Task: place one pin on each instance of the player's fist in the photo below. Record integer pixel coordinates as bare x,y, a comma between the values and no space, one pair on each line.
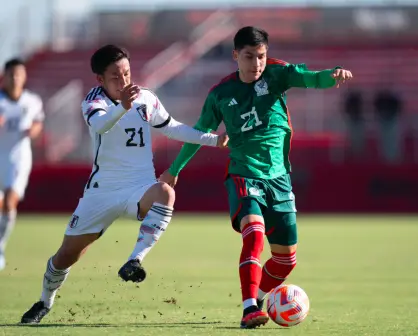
128,95
168,178
222,141
341,75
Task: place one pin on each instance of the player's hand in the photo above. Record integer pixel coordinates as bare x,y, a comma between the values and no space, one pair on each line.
168,178
341,75
223,140
128,94
2,120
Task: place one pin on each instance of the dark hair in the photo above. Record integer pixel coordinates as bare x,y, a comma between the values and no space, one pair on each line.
105,56
12,63
250,36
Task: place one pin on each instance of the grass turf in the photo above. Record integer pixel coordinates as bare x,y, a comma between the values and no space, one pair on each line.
360,272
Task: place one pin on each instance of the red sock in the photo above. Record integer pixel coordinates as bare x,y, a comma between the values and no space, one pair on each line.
249,263
276,270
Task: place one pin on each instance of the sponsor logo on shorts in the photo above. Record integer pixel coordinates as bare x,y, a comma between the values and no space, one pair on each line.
73,221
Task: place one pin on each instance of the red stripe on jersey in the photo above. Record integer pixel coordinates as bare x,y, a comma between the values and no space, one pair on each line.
234,179
276,61
227,168
232,76
237,186
244,189
238,191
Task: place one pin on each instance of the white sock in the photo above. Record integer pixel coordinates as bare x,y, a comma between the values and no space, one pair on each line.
153,226
249,302
7,222
53,280
261,295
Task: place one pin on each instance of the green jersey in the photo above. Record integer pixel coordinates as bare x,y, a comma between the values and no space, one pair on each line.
256,118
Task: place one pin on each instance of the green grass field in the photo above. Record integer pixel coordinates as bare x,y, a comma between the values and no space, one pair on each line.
361,274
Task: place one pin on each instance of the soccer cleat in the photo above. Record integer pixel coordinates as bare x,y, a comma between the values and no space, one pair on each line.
35,314
253,318
132,271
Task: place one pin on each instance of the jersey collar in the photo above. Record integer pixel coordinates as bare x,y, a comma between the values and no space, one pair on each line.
108,97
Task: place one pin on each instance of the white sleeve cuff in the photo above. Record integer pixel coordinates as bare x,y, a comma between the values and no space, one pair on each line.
178,131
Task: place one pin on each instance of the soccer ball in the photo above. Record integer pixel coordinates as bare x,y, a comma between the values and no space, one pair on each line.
287,305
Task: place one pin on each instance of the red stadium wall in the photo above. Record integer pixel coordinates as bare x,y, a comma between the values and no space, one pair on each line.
319,186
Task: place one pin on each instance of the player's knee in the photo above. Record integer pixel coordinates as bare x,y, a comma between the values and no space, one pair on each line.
283,249
165,194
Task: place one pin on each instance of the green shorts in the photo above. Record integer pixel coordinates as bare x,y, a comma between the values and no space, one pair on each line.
273,199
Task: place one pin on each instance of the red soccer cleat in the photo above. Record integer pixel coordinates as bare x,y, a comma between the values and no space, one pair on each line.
254,319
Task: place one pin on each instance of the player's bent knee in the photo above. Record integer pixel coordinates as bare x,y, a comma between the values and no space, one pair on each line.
281,231
283,249
166,194
160,192
250,219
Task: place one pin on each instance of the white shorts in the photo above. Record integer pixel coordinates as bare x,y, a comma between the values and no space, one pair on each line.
15,176
98,209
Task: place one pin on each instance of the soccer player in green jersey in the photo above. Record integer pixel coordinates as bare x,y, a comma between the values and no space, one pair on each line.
252,104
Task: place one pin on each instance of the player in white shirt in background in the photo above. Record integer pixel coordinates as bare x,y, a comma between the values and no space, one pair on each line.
21,119
119,115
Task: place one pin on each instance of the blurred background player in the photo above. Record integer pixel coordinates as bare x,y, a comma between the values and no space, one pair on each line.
21,120
252,104
122,183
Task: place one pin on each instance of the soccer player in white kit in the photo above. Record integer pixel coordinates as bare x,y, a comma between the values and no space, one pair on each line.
21,119
119,115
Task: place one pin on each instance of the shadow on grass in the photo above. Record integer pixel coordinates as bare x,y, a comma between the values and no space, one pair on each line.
195,325
109,325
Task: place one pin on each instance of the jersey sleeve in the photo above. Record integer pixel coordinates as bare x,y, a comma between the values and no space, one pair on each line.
38,110
90,108
159,116
298,75
100,117
209,120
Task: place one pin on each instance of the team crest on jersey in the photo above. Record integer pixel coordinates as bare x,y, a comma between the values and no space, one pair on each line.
73,221
254,191
143,112
261,88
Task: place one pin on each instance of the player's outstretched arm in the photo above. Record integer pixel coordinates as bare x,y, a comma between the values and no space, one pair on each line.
209,120
300,76
102,118
179,131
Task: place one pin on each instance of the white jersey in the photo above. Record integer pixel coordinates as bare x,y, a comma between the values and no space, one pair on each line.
19,116
123,154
